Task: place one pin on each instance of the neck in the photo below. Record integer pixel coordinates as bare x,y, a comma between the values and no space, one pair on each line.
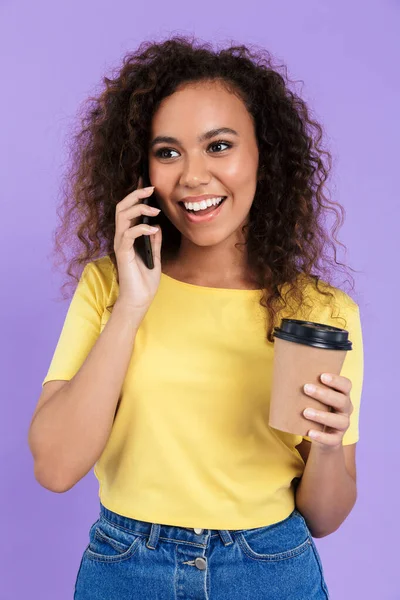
211,266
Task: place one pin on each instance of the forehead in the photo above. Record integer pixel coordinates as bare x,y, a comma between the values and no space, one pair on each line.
199,106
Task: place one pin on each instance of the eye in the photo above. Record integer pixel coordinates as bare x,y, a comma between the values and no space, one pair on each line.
220,143
159,153
161,150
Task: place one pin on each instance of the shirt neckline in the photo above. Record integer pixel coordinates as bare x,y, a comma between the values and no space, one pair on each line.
195,287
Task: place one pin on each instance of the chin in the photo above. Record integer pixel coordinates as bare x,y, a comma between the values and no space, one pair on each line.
206,238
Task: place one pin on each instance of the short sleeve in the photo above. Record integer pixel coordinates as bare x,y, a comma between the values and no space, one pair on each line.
353,369
82,324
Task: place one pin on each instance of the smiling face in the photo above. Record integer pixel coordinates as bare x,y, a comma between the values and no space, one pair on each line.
192,163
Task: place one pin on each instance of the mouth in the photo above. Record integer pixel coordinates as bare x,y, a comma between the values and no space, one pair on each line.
207,214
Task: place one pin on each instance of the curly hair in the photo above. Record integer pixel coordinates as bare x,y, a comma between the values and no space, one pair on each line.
286,240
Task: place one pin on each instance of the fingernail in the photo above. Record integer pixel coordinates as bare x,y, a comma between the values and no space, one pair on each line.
326,378
309,412
309,388
150,187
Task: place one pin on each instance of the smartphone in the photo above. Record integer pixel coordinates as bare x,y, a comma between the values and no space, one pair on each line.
143,243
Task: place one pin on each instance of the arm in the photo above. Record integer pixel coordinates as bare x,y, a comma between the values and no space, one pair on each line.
69,432
327,492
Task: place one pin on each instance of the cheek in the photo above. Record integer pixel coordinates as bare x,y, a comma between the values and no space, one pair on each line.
235,174
163,191
241,178
160,178
243,191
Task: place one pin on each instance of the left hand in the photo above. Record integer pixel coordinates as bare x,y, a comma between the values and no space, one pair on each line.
336,395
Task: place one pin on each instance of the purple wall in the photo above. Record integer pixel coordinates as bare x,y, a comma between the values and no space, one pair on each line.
52,55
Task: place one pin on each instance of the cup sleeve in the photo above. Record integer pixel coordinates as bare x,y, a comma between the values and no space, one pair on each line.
82,325
353,369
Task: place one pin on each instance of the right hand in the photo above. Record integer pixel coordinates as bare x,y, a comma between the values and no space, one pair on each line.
137,284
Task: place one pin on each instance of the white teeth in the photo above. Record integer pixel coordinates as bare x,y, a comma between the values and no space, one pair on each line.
203,204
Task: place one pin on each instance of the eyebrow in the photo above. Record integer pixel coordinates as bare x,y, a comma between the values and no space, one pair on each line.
205,136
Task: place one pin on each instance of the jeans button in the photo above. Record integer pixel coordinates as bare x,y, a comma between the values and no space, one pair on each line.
200,563
198,531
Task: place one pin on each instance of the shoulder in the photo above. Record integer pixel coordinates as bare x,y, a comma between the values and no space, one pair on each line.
336,297
327,304
99,276
103,266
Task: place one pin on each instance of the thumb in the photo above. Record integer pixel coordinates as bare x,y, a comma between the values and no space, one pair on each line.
156,242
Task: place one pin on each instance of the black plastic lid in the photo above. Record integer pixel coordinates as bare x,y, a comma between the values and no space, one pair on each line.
318,335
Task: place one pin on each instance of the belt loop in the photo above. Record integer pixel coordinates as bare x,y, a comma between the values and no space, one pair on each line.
225,537
153,537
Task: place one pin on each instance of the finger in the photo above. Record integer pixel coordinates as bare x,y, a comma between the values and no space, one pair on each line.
327,396
138,209
326,440
134,197
156,242
137,230
134,215
330,419
337,382
131,234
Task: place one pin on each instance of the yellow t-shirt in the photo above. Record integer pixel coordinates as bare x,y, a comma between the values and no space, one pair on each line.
190,445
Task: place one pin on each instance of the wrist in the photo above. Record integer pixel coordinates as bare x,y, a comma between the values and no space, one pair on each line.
127,313
325,449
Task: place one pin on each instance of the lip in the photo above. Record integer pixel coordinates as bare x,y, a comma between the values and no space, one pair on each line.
193,218
200,198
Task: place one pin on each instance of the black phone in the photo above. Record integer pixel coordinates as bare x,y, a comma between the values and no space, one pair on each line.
143,243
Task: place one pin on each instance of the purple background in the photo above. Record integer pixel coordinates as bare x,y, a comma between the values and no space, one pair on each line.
53,55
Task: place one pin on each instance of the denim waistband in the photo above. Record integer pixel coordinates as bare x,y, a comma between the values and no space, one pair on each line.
172,533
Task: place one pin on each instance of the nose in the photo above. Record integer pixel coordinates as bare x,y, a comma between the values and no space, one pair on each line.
194,174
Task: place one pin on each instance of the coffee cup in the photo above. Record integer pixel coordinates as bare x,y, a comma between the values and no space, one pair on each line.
303,350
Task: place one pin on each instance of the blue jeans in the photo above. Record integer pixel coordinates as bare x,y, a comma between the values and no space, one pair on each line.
127,559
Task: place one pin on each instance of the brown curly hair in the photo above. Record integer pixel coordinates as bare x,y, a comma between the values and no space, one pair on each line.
285,240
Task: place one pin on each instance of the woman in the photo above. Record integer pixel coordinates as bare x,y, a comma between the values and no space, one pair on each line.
161,377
